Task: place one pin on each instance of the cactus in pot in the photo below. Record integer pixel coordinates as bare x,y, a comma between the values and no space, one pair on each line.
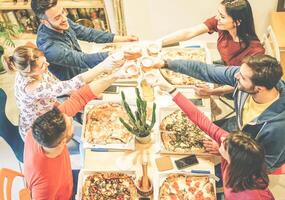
137,123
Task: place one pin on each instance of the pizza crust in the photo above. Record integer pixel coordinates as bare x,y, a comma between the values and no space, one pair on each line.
179,134
104,127
176,78
109,185
186,187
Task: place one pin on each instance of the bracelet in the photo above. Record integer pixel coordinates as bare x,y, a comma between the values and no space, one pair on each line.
165,64
172,91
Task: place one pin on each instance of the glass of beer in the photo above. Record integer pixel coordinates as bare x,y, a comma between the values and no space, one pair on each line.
132,68
147,63
132,52
146,84
153,49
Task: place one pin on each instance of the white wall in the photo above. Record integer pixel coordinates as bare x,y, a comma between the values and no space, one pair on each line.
151,19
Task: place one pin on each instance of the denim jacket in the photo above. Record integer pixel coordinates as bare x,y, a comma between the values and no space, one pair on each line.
267,128
63,52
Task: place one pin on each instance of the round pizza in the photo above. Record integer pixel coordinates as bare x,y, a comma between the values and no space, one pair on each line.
186,187
103,125
111,186
179,134
176,78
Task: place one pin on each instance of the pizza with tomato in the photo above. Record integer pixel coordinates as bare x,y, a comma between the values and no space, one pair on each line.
109,185
186,187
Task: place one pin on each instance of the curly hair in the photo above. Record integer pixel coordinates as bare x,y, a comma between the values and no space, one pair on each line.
49,128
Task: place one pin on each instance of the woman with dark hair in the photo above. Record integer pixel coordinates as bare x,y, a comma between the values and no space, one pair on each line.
243,166
236,36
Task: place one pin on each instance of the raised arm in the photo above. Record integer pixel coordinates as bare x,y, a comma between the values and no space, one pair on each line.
198,118
80,98
207,72
184,34
71,58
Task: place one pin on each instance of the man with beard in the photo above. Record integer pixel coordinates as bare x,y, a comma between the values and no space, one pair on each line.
259,98
58,36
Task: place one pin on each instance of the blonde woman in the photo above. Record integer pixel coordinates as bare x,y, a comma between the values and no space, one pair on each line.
36,89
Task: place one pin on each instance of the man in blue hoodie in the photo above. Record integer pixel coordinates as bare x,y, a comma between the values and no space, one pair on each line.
259,98
57,37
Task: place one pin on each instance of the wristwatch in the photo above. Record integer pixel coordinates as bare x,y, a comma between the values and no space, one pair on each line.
172,91
165,64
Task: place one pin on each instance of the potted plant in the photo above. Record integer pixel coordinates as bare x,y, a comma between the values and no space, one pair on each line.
137,123
7,32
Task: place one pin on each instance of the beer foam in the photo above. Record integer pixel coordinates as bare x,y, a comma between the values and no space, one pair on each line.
147,62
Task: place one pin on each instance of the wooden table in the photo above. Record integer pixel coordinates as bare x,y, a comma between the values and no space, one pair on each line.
278,26
114,161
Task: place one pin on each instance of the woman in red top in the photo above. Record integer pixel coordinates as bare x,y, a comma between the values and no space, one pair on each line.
243,166
236,36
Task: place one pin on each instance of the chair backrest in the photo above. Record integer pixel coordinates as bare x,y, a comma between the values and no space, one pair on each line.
8,131
270,43
7,176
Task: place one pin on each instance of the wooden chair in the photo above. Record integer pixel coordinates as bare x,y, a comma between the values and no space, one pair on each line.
270,43
7,176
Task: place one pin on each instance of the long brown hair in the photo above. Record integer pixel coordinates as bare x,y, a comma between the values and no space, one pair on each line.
22,59
241,12
247,168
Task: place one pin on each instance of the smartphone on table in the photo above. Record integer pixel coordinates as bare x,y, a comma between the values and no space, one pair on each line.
186,162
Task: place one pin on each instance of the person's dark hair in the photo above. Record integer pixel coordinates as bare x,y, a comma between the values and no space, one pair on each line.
247,169
241,12
41,6
267,71
48,129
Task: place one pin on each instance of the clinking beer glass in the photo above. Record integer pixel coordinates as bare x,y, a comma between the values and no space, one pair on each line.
148,77
147,63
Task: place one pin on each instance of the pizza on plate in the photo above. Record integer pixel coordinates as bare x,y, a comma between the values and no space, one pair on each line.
179,134
109,186
184,53
186,187
176,78
103,125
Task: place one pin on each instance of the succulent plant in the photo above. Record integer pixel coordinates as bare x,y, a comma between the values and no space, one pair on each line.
137,123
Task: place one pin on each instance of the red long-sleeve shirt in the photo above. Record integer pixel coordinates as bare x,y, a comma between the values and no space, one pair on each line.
51,178
215,132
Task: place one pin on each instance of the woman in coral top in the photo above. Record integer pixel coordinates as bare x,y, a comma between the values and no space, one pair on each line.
237,38
243,166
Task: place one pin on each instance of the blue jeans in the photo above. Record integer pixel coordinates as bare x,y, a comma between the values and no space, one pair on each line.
75,181
75,145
